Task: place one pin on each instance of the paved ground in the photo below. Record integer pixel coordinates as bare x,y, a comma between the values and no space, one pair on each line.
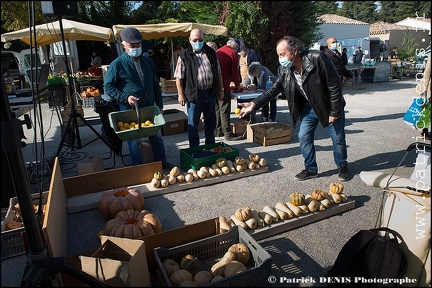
377,139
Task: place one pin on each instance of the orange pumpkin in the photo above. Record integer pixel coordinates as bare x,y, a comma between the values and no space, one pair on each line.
129,224
120,199
318,194
153,220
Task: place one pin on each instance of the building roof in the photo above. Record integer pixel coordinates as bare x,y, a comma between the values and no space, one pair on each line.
418,22
382,27
336,19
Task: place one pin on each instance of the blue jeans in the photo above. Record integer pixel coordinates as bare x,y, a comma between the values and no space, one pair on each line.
206,105
156,141
308,123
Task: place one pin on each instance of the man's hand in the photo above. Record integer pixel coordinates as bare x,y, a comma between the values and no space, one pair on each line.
131,100
332,119
181,100
247,107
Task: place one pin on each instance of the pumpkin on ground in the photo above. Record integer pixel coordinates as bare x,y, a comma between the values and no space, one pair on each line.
129,224
297,198
120,199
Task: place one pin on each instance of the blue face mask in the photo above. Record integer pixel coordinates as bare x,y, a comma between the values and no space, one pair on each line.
285,63
333,46
197,46
135,52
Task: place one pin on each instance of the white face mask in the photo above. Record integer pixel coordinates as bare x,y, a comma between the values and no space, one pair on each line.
285,62
333,46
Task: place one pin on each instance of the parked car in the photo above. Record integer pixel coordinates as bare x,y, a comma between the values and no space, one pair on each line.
11,63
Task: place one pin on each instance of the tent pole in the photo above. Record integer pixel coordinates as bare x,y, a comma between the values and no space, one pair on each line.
172,60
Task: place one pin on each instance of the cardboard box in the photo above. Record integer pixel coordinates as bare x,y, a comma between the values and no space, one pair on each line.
119,262
146,151
175,122
239,127
168,86
269,133
95,164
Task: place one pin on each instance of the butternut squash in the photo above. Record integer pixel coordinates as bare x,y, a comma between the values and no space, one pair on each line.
218,268
223,224
294,208
268,219
282,206
336,198
238,222
231,166
260,221
251,223
304,209
282,214
272,212
312,204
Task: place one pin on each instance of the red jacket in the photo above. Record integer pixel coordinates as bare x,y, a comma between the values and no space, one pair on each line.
229,64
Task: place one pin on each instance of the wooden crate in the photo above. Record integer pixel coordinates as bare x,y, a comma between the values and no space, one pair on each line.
168,86
270,133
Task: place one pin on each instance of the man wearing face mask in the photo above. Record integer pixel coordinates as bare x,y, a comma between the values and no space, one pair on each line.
132,77
331,50
199,85
314,92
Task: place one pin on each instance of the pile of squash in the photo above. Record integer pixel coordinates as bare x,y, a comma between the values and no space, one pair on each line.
297,204
191,272
222,166
126,218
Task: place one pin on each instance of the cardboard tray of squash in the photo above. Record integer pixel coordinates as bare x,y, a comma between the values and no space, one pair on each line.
298,210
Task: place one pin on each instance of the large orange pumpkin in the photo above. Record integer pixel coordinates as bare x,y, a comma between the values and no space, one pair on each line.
120,199
153,220
129,224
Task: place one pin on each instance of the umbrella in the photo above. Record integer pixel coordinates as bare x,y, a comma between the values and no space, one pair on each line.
49,33
168,30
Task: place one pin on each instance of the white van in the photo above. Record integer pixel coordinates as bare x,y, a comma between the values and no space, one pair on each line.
11,64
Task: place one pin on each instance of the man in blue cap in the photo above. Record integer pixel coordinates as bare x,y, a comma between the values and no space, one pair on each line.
132,80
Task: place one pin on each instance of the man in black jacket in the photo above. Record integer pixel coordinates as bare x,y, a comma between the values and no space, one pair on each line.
199,84
314,92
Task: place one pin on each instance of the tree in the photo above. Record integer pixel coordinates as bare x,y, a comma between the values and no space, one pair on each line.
326,7
407,49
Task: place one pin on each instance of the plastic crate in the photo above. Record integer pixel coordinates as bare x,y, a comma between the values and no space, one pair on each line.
187,160
210,250
12,240
151,113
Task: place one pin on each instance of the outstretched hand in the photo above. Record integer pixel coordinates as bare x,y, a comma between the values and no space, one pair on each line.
247,107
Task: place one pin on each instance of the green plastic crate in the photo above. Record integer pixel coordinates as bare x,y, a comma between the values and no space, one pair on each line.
151,113
187,161
210,250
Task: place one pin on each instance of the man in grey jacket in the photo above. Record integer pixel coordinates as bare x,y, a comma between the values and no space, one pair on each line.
314,92
132,77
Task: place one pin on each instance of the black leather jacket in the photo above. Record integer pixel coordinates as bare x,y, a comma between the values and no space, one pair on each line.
321,84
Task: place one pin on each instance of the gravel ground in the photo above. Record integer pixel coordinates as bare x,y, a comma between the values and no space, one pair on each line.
377,139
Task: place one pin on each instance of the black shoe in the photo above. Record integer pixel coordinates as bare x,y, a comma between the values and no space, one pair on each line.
305,174
220,134
167,166
343,174
232,137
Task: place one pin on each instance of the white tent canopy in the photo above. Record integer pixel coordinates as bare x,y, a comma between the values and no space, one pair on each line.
168,30
49,33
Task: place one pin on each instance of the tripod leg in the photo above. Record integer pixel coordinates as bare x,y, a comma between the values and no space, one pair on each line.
64,136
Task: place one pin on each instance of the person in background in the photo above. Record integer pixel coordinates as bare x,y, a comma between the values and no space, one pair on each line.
131,80
259,75
247,56
383,49
393,53
199,85
96,60
331,50
358,56
348,74
161,61
427,90
229,63
314,92
212,45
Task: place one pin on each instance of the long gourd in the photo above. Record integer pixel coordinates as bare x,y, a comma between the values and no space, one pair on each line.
272,212
268,219
260,221
282,206
297,211
282,214
238,222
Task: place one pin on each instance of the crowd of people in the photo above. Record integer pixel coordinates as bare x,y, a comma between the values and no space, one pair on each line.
207,75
